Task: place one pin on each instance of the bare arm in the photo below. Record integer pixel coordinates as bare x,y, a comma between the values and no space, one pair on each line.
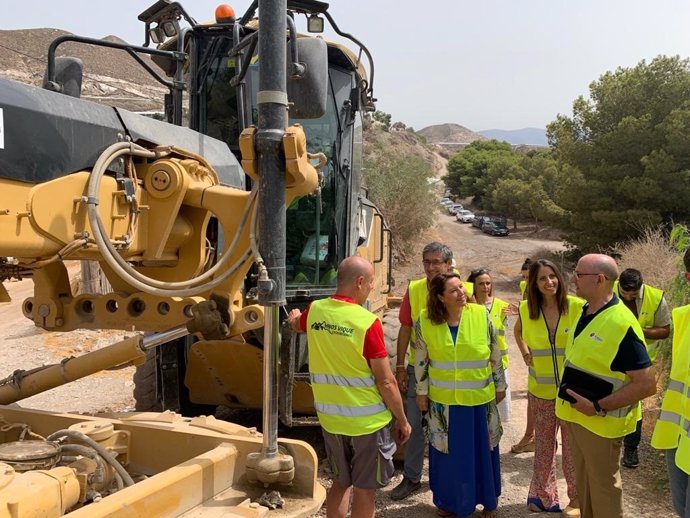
388,388
661,327
293,319
404,335
524,350
656,333
642,385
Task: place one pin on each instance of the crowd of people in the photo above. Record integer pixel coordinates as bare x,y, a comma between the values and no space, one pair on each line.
588,351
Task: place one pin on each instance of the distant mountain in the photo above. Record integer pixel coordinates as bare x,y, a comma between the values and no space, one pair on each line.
528,136
451,137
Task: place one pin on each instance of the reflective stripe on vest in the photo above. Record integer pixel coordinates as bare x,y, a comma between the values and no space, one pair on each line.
342,381
497,312
592,351
547,359
542,380
668,428
350,411
460,373
346,398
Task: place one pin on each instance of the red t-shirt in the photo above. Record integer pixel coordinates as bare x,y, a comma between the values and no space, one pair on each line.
405,315
374,345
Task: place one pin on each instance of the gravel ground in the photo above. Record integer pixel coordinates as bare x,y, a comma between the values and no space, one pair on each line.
645,489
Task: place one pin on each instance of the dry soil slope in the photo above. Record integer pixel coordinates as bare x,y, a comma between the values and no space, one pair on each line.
110,76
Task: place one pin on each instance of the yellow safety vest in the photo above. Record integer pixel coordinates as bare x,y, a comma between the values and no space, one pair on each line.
592,351
667,430
418,293
346,398
460,371
498,320
523,287
651,300
547,358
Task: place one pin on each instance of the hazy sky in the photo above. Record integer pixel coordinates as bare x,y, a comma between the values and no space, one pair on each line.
481,63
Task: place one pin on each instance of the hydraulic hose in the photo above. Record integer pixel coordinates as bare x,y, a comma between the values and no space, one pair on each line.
105,454
128,273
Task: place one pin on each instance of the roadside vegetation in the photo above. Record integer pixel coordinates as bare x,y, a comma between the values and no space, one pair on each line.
618,166
398,175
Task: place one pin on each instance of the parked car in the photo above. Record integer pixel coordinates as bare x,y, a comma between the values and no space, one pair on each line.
453,209
445,201
464,216
495,229
478,221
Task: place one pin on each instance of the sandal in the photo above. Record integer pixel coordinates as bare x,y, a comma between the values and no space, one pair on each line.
524,446
443,512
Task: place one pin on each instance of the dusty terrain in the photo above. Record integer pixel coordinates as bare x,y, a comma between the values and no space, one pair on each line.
25,346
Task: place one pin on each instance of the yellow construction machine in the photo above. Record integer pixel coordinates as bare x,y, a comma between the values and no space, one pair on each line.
209,226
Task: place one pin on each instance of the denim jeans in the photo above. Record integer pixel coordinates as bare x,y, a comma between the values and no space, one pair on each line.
414,449
678,480
632,440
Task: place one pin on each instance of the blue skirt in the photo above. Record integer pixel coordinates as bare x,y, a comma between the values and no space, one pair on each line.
470,473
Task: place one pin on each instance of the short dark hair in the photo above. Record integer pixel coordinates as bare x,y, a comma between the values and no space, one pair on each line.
435,247
630,280
525,265
686,260
436,310
534,296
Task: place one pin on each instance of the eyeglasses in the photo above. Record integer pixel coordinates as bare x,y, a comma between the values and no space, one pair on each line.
479,271
577,275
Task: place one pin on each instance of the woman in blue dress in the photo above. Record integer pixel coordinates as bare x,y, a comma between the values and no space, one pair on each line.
460,379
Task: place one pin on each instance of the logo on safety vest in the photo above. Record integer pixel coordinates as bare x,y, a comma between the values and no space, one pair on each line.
332,329
596,337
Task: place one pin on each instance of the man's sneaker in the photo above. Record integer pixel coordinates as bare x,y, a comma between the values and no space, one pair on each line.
404,489
630,458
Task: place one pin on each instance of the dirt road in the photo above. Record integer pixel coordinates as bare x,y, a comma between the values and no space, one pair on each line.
25,346
644,491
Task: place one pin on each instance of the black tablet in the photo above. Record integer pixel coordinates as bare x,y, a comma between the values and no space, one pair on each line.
584,383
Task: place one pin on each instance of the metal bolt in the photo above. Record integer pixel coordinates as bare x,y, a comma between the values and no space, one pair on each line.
160,180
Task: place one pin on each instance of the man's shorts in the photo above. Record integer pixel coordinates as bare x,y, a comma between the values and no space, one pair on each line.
364,461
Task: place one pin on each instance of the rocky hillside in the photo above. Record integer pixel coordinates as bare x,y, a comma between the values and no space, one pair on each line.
404,143
450,137
110,76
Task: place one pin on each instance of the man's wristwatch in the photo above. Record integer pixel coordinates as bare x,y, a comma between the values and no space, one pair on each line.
597,408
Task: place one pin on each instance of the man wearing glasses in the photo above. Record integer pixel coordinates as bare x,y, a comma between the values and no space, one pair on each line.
607,344
437,258
649,306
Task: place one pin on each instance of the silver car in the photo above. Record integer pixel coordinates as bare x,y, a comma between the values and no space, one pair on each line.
464,216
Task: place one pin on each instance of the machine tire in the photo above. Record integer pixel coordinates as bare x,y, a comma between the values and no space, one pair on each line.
391,327
145,390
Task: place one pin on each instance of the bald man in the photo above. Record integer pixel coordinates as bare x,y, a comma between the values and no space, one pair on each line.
355,391
608,344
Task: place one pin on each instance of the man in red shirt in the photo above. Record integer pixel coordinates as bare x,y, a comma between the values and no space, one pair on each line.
355,391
